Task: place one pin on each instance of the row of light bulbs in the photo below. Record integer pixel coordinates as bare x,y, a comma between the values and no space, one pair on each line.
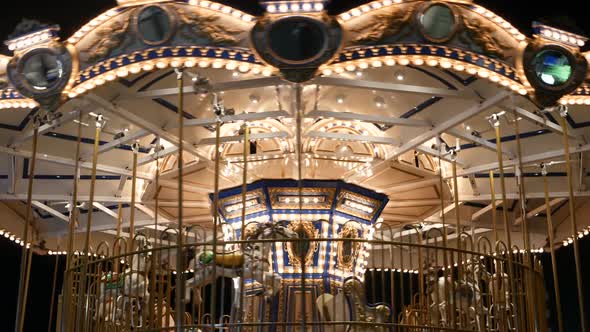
418,60
575,100
13,238
163,63
358,11
21,103
581,235
563,37
295,7
28,40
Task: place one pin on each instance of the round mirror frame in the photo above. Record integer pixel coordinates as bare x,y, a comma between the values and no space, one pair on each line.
322,27
425,8
171,30
15,71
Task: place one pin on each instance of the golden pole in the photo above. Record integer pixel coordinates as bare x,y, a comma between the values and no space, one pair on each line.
155,314
67,303
494,207
216,221
495,121
246,153
25,255
86,253
530,301
133,193
449,289
179,259
117,248
572,207
550,231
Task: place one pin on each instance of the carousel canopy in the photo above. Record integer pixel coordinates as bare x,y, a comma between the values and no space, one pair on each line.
388,94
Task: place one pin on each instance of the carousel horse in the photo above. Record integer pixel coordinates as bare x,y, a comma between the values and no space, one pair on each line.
467,299
251,262
129,288
351,305
500,308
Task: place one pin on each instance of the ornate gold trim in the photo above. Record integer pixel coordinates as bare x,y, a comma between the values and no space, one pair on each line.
384,25
350,230
482,33
311,233
276,192
348,195
456,17
207,26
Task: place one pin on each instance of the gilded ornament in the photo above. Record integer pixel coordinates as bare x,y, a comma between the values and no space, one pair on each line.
205,25
482,33
107,38
384,25
307,229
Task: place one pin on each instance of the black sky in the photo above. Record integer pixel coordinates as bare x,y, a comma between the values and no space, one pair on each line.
72,14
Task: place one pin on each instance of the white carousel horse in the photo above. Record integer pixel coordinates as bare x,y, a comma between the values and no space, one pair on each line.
500,308
468,295
351,305
252,262
131,286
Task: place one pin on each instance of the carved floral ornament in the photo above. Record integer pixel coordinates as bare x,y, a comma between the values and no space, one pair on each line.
184,20
301,250
432,18
348,250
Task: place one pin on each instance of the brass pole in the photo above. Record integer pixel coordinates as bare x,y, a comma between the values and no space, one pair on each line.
117,248
457,212
133,193
246,153
25,266
86,253
530,301
494,207
216,220
449,289
179,259
297,108
496,124
572,207
155,314
550,231
67,291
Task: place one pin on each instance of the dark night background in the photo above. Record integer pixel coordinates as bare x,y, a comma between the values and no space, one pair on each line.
72,14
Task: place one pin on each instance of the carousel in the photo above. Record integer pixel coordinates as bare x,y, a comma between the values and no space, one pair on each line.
396,167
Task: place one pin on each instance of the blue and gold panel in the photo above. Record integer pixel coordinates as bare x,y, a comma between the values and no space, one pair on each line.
358,205
231,207
312,198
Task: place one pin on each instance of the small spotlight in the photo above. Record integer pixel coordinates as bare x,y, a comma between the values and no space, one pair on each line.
379,101
400,76
255,99
340,99
359,74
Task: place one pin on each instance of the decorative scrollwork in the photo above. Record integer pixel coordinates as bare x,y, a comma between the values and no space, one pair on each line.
483,34
205,25
106,39
302,250
384,25
347,249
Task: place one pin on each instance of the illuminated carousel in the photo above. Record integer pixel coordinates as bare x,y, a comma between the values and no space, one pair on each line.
395,167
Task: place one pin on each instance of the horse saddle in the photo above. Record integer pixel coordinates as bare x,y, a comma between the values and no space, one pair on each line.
113,280
229,260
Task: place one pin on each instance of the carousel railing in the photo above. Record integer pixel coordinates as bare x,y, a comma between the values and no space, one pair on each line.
409,282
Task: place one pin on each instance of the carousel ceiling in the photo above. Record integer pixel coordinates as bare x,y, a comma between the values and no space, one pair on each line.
383,92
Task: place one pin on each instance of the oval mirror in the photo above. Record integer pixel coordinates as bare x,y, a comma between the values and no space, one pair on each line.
154,25
438,22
